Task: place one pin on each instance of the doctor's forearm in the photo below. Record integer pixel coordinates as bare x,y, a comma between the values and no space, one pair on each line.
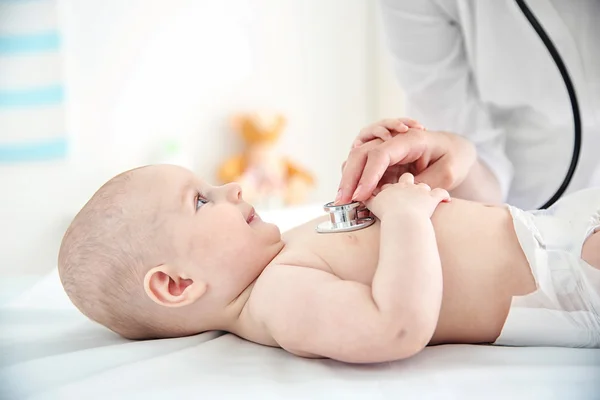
479,185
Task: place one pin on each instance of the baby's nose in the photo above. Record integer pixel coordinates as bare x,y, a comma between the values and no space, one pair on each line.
233,192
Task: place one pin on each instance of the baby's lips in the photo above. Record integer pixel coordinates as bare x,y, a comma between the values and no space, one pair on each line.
251,215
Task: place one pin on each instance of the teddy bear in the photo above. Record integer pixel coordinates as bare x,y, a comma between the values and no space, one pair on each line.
268,179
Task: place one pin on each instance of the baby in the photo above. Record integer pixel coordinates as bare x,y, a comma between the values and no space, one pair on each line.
159,253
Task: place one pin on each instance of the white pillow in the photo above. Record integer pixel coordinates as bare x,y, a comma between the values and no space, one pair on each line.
46,293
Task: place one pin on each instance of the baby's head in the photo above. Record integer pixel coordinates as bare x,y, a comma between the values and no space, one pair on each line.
157,253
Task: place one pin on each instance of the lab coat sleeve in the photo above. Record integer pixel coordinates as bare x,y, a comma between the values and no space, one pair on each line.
431,63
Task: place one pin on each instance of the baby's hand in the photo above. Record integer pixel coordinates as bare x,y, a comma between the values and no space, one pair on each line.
406,197
385,130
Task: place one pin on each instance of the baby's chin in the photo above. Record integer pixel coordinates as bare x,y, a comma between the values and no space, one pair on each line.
276,232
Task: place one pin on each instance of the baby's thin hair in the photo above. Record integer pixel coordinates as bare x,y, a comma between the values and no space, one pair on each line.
104,255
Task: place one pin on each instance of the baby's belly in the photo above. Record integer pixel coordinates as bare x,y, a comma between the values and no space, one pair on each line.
483,267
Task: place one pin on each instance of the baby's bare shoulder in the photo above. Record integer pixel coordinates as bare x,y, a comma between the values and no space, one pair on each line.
313,313
276,293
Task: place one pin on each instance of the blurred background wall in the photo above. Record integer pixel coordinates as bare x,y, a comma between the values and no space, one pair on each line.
89,88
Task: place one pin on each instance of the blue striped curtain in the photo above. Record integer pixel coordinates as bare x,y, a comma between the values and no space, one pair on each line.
32,113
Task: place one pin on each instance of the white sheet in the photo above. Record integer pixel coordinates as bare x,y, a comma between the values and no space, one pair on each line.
49,351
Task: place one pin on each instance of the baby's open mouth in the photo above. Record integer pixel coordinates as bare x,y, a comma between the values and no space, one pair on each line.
251,216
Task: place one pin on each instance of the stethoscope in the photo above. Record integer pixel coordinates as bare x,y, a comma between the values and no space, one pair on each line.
345,218
351,217
574,104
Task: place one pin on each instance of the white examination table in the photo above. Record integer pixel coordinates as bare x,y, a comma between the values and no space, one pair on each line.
49,351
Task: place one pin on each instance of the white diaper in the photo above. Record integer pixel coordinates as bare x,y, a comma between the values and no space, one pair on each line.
565,308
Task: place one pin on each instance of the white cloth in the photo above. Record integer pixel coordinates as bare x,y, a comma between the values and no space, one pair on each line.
50,351
564,310
477,68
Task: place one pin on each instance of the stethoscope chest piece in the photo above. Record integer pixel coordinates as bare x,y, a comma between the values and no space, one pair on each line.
344,218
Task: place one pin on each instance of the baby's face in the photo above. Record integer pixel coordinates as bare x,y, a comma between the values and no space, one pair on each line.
214,234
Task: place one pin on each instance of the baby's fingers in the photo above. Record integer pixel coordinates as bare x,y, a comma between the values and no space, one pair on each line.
441,195
407,177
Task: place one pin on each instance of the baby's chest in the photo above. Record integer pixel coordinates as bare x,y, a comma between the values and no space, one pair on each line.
348,255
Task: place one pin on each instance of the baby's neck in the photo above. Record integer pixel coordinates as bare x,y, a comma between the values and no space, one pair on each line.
238,306
233,315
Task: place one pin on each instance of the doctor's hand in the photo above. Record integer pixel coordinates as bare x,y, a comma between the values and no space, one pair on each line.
385,129
439,159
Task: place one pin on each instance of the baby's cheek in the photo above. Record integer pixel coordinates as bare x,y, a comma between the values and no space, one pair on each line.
221,219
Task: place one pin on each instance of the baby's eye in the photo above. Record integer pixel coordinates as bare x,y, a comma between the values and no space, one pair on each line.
200,201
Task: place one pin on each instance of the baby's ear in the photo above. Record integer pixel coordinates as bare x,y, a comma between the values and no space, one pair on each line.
170,288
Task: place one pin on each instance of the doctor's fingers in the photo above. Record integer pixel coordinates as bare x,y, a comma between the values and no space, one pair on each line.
402,149
352,170
399,155
386,129
372,132
399,125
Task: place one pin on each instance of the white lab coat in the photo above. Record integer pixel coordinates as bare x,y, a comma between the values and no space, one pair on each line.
477,68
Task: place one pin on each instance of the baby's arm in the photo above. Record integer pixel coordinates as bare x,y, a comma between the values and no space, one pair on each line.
310,312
